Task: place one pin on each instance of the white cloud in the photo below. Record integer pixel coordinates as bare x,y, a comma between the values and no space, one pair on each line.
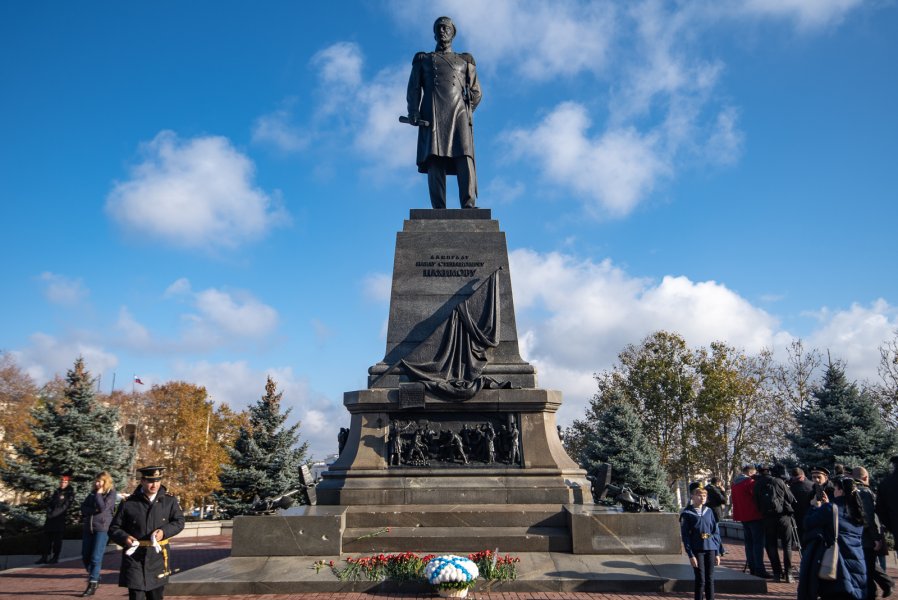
613,171
662,115
240,385
47,356
536,40
275,129
217,318
340,65
195,193
63,290
855,335
380,138
575,316
223,314
179,287
807,14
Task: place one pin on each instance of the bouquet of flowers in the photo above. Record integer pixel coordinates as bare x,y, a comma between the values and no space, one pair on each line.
452,575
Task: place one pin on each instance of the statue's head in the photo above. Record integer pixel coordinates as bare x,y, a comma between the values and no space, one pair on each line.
444,29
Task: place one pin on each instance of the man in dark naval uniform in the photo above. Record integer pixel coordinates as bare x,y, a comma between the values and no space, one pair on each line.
143,525
443,90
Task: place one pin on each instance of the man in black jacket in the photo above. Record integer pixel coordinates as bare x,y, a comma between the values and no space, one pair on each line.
717,499
887,500
54,525
777,505
803,490
872,540
143,525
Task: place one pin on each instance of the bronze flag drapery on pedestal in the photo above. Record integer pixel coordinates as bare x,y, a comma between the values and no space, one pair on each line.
456,370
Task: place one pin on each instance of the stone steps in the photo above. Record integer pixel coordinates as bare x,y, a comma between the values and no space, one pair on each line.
457,539
457,515
460,528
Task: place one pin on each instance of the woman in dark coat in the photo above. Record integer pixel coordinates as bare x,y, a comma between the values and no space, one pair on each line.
96,516
851,578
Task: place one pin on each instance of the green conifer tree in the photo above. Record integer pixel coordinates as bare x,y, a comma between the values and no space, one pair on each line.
73,435
266,457
613,433
843,425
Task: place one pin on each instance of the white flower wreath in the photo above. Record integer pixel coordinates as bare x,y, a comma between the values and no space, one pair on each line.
450,568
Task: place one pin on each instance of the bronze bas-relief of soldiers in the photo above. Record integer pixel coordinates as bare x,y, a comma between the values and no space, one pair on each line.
443,92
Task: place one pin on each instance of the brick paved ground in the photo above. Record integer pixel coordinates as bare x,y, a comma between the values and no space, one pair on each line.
67,579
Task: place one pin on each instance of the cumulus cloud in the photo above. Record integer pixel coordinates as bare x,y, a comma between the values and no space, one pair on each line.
340,64
575,316
215,317
362,110
234,314
613,170
535,40
380,139
661,115
47,356
855,335
63,290
239,385
194,193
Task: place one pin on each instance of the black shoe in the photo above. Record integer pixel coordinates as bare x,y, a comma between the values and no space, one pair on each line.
91,589
41,561
764,575
53,560
886,592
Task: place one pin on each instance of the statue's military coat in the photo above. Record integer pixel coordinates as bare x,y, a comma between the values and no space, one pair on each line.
137,517
443,89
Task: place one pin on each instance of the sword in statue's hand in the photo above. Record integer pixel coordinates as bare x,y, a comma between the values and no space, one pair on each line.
415,122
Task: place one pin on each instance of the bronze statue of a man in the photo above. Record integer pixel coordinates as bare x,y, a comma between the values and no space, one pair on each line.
443,92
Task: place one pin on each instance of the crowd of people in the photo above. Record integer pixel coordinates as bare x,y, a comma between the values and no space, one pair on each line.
142,524
782,513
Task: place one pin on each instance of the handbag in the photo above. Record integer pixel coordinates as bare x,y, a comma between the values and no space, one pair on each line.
829,563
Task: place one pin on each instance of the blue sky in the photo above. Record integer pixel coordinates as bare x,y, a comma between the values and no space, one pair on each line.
210,191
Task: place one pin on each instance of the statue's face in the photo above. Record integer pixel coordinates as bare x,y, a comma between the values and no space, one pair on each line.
444,32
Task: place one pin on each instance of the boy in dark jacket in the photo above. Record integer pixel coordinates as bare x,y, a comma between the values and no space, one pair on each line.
701,541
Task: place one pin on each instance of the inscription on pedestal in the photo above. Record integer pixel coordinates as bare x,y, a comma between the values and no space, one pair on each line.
451,265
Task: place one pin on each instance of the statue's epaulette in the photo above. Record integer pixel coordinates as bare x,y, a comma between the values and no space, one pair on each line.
468,58
419,57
